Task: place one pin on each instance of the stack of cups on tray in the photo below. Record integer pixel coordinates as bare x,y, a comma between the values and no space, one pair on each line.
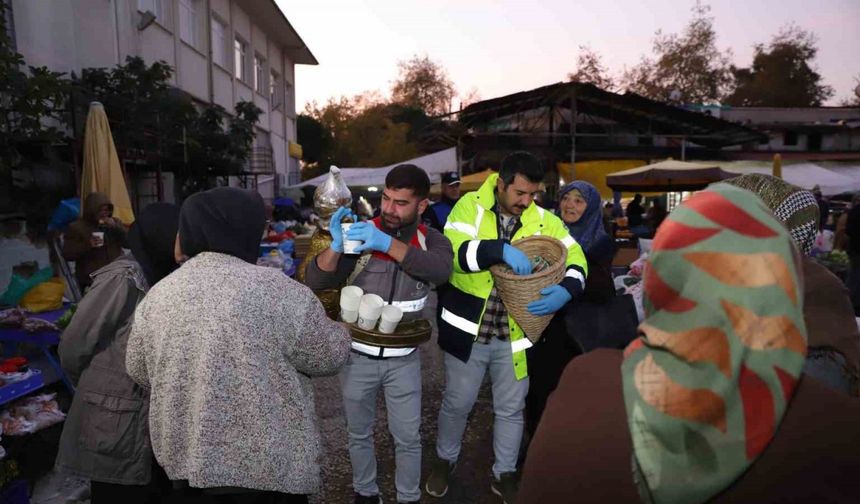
368,309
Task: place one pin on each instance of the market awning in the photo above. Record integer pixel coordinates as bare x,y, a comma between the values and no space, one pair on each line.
669,175
831,180
434,164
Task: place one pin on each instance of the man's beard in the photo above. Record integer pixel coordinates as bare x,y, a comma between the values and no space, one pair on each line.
394,223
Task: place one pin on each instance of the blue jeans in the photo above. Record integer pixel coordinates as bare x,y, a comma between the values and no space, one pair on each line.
462,383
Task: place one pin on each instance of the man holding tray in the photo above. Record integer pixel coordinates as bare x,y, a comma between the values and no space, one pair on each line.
400,258
475,330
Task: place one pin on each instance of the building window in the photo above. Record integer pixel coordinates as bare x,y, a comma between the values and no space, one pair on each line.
275,91
189,22
240,59
219,42
789,138
154,6
259,74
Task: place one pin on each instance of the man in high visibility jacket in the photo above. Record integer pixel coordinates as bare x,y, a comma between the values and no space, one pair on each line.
475,330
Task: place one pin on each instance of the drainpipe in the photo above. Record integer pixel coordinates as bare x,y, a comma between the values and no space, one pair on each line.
211,62
116,31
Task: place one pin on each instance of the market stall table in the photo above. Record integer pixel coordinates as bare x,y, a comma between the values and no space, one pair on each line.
45,340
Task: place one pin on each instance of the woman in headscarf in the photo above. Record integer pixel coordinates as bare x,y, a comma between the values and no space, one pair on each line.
580,210
227,349
710,403
834,342
106,437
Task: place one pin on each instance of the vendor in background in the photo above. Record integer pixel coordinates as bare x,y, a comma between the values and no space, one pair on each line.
437,214
403,260
94,240
106,435
840,240
655,216
580,210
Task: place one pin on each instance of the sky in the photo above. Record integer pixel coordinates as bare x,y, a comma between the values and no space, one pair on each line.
498,47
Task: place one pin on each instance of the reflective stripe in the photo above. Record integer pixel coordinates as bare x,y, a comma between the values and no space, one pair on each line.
463,228
573,273
478,218
540,210
459,322
410,306
568,241
472,255
375,351
422,240
520,345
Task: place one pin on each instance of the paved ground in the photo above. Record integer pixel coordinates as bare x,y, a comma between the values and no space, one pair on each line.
471,481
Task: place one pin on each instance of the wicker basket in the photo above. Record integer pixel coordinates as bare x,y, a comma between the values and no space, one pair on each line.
517,291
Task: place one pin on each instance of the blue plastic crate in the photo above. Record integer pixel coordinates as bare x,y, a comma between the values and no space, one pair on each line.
13,391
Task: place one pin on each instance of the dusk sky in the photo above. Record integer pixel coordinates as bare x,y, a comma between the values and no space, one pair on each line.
503,46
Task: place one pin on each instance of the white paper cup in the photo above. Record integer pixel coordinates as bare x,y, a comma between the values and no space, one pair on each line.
350,298
349,245
389,318
100,236
369,310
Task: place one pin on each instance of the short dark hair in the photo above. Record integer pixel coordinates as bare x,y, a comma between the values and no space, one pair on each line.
522,163
408,176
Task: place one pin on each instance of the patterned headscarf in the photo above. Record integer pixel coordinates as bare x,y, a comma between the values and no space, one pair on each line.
588,230
795,207
721,348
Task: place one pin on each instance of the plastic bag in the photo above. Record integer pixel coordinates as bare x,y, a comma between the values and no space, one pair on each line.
44,297
19,286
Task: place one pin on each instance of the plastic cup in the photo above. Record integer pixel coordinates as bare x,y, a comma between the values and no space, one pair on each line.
369,311
100,236
350,298
349,245
389,318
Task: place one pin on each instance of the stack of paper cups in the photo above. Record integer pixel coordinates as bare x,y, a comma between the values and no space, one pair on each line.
349,245
389,319
369,310
350,298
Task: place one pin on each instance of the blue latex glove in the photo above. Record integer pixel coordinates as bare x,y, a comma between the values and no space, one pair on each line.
516,259
335,229
554,297
373,238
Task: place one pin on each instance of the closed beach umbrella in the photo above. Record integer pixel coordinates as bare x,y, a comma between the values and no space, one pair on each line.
102,171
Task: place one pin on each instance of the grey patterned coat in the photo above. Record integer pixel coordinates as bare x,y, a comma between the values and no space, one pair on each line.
227,349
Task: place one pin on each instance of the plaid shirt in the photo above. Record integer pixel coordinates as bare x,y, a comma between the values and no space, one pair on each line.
495,321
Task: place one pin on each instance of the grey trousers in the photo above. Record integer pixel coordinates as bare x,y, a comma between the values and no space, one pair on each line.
462,383
400,380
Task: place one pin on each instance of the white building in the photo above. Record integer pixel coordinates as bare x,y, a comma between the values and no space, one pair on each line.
222,52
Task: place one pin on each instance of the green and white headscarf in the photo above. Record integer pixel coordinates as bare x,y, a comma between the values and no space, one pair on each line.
720,350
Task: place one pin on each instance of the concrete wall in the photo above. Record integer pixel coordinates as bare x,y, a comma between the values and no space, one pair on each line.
68,35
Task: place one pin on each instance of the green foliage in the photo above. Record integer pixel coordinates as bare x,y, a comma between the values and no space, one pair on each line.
423,84
782,74
689,63
32,100
158,124
360,131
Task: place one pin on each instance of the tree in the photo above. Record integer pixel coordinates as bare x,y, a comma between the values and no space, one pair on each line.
158,124
782,74
32,101
591,70
423,84
687,67
854,100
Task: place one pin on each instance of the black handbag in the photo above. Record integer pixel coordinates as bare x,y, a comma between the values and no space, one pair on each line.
611,324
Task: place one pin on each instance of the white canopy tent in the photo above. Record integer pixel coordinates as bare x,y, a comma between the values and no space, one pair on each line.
434,164
806,175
